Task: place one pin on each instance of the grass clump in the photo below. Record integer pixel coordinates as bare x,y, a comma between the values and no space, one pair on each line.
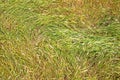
59,40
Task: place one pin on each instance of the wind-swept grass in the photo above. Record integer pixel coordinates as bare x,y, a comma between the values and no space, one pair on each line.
59,40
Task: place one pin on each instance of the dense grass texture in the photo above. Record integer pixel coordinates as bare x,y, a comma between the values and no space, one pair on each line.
59,39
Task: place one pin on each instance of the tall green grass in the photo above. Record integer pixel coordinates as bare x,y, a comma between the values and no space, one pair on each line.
59,40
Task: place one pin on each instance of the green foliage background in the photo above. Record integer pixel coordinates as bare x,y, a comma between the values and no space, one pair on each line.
59,40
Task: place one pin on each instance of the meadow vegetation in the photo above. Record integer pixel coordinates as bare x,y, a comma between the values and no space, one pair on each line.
59,39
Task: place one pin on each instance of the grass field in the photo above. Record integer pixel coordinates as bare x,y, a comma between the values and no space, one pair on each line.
59,40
